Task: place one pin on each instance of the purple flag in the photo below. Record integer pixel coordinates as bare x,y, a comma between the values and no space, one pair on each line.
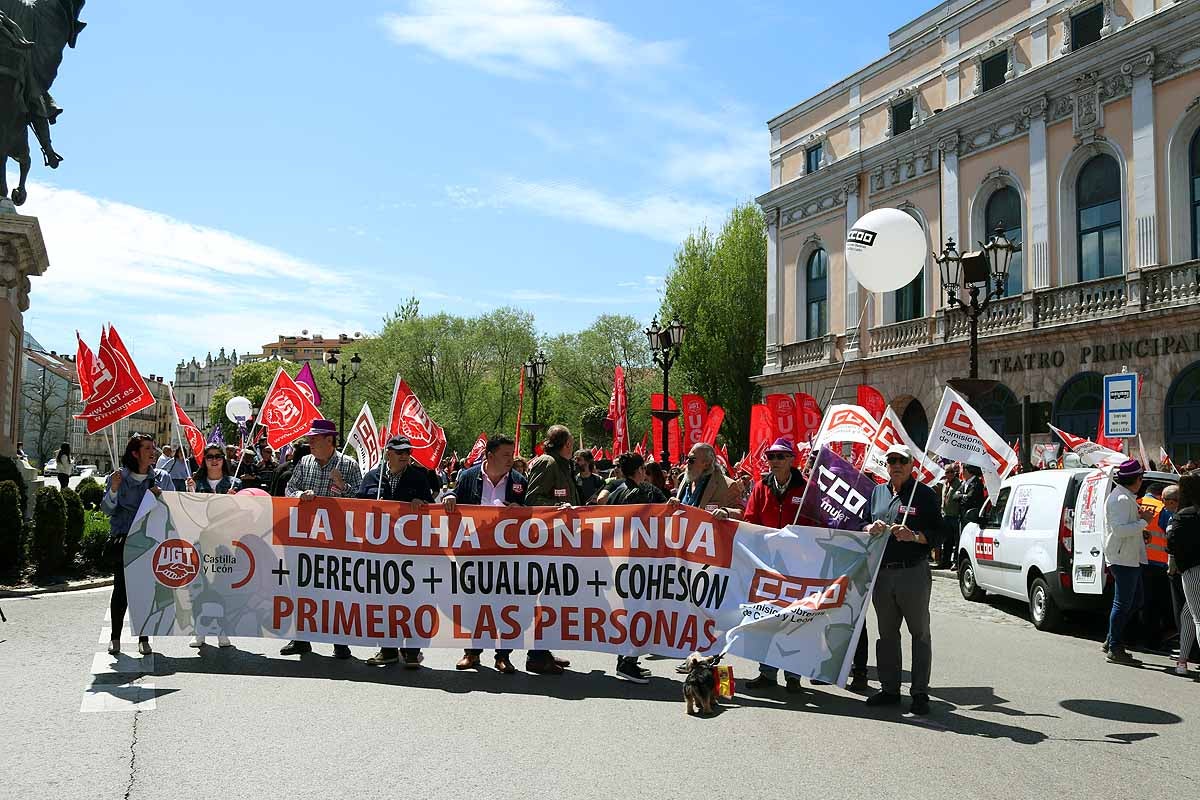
305,378
217,436
838,496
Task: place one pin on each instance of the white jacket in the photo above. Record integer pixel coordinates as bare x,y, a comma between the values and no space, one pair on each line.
1123,543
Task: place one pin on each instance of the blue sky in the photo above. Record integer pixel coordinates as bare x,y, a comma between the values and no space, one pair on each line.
273,167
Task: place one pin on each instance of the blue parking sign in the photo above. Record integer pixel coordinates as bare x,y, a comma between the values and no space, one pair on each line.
1120,405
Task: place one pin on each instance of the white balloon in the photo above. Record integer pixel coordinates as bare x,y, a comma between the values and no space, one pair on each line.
886,249
238,407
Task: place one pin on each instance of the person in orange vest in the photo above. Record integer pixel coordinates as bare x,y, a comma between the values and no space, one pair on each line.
1159,625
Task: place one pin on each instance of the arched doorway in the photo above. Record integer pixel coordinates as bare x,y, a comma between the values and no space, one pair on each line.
1077,407
993,406
1182,416
915,422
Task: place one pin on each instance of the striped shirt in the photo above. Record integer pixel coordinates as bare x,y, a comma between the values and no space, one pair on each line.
311,476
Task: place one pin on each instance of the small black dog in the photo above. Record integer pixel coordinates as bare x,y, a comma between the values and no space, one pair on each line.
700,686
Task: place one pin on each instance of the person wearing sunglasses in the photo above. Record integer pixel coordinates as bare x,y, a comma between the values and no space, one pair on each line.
704,486
773,503
910,514
215,476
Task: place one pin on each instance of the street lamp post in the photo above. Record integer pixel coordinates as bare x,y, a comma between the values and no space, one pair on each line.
535,374
343,380
984,274
664,346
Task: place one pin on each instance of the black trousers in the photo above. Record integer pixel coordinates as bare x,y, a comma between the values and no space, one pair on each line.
119,603
859,667
389,651
1177,602
63,480
533,655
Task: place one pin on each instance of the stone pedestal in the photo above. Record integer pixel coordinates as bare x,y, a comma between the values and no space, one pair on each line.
22,255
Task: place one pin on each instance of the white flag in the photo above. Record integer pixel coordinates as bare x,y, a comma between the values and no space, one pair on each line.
364,437
891,431
960,434
1090,454
846,423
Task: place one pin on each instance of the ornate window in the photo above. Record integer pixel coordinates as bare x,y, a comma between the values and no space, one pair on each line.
991,71
1087,22
1098,218
1182,416
1004,211
812,159
902,115
910,299
1077,407
816,293
998,62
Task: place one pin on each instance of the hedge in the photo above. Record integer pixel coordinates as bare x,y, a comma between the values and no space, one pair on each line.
74,531
12,528
95,535
90,492
49,532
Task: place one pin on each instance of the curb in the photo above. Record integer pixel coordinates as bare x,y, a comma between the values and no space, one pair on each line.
57,588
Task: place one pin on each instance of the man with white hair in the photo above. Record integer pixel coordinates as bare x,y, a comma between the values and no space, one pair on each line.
704,486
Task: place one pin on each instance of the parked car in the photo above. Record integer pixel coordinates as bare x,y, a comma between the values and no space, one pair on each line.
86,470
1042,541
50,468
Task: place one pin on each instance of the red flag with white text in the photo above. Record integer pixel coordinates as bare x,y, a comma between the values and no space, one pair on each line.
618,411
762,429
408,418
695,413
477,450
85,363
191,434
118,390
808,416
712,425
784,413
287,413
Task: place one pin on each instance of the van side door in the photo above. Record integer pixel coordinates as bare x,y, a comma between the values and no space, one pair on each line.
987,543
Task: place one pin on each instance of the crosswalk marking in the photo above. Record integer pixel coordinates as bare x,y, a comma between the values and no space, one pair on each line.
118,697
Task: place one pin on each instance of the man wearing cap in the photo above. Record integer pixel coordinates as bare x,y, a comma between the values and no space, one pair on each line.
491,482
1125,552
324,472
398,479
909,513
774,502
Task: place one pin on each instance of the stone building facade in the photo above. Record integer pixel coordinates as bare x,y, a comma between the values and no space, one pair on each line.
196,382
1073,124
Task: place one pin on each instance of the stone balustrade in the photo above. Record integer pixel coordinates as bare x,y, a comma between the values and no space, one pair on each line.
907,335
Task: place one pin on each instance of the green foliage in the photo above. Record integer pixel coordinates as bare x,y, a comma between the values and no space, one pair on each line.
74,530
250,381
10,472
11,528
95,535
90,492
592,425
718,289
49,532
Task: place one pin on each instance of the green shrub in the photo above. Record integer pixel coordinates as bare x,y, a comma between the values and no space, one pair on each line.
10,472
74,531
49,532
90,492
11,528
95,535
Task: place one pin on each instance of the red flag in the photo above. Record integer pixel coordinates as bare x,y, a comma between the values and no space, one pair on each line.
870,399
1111,442
118,390
695,414
723,455
287,413
618,411
674,439
597,453
191,434
762,426
783,411
808,416
520,405
712,425
641,448
477,450
408,418
85,364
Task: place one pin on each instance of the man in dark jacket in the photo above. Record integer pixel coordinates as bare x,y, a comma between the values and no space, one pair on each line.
1183,545
970,494
492,482
398,479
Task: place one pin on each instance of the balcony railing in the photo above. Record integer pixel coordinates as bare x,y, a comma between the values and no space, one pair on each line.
1147,289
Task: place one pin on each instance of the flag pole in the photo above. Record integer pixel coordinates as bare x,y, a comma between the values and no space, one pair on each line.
254,427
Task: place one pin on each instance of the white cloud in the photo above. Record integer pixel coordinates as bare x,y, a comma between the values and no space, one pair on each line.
658,216
172,288
523,38
735,163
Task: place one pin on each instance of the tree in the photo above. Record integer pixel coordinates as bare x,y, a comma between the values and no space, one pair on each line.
250,381
718,289
45,398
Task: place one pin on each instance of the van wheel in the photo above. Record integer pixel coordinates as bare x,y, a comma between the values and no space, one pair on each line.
1044,612
966,581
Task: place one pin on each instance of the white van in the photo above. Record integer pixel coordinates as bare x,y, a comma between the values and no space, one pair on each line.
1042,541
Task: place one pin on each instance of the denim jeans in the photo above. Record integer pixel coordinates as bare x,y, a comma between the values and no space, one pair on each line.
1127,599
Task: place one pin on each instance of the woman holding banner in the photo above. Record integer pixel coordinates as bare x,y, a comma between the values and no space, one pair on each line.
126,489
215,476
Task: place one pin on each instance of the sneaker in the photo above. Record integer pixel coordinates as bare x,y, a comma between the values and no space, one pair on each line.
114,647
1181,670
647,673
858,683
762,683
1104,647
383,658
223,641
1118,655
197,641
884,699
793,685
413,660
144,647
341,651
630,671
920,704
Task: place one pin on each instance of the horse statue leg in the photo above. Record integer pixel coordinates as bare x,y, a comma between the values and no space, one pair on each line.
23,161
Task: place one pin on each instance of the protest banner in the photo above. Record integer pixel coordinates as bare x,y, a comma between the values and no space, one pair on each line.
784,416
605,578
837,494
365,439
846,423
117,388
891,431
618,412
695,414
408,418
1090,454
959,433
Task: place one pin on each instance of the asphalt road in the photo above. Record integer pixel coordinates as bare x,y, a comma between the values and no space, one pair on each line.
1016,714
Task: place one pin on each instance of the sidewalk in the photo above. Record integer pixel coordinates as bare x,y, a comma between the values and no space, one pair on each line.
52,588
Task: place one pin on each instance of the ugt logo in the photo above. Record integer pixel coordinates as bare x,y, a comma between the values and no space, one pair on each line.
175,563
840,492
283,411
